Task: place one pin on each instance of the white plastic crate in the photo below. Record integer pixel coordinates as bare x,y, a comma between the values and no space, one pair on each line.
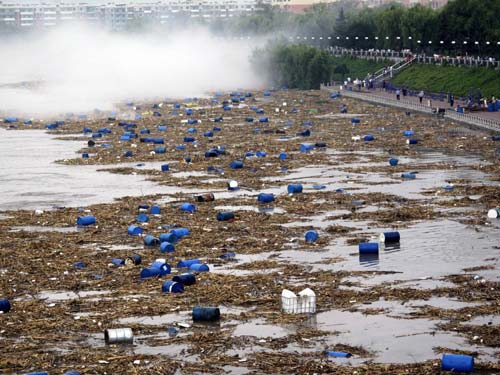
304,303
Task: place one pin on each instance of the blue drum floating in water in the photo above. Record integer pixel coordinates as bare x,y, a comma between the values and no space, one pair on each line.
368,248
294,188
393,162
85,220
187,263
311,236
225,216
134,230
206,314
368,138
4,305
172,287
265,198
409,176
389,237
188,207
198,267
186,279
457,363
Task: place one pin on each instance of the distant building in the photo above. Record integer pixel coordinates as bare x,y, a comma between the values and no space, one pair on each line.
409,3
116,16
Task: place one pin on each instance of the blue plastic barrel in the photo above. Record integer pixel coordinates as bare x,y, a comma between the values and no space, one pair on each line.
496,137
263,119
185,278
208,134
155,210
85,155
389,237
368,247
261,154
125,138
306,147
409,176
150,272
282,156
249,154
150,240
294,188
198,267
332,353
164,268
79,264
188,207
172,287
38,373
408,133
356,120
87,130
165,168
145,131
368,138
228,255
305,133
189,139
311,236
162,128
85,220
249,119
320,144
217,128
142,218
167,247
157,141
457,363
236,164
412,141
180,232
135,259
187,263
118,261
265,198
212,153
128,154
393,162
169,237
4,305
225,216
160,150
206,314
72,372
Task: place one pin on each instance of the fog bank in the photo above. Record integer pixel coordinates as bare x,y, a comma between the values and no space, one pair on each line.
84,68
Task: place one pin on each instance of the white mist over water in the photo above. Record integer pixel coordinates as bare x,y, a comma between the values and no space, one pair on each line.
84,68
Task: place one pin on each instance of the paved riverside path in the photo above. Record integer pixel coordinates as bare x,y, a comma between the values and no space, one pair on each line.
483,119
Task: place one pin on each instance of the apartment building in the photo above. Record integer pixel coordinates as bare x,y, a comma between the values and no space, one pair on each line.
116,16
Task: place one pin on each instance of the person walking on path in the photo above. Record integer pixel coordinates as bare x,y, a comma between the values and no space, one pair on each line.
398,94
421,96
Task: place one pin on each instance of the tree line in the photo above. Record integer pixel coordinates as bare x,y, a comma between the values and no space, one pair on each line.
397,27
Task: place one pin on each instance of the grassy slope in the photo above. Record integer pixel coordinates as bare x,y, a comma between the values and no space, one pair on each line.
358,68
449,78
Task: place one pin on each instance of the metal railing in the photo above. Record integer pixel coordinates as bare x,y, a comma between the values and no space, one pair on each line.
394,69
466,118
421,58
